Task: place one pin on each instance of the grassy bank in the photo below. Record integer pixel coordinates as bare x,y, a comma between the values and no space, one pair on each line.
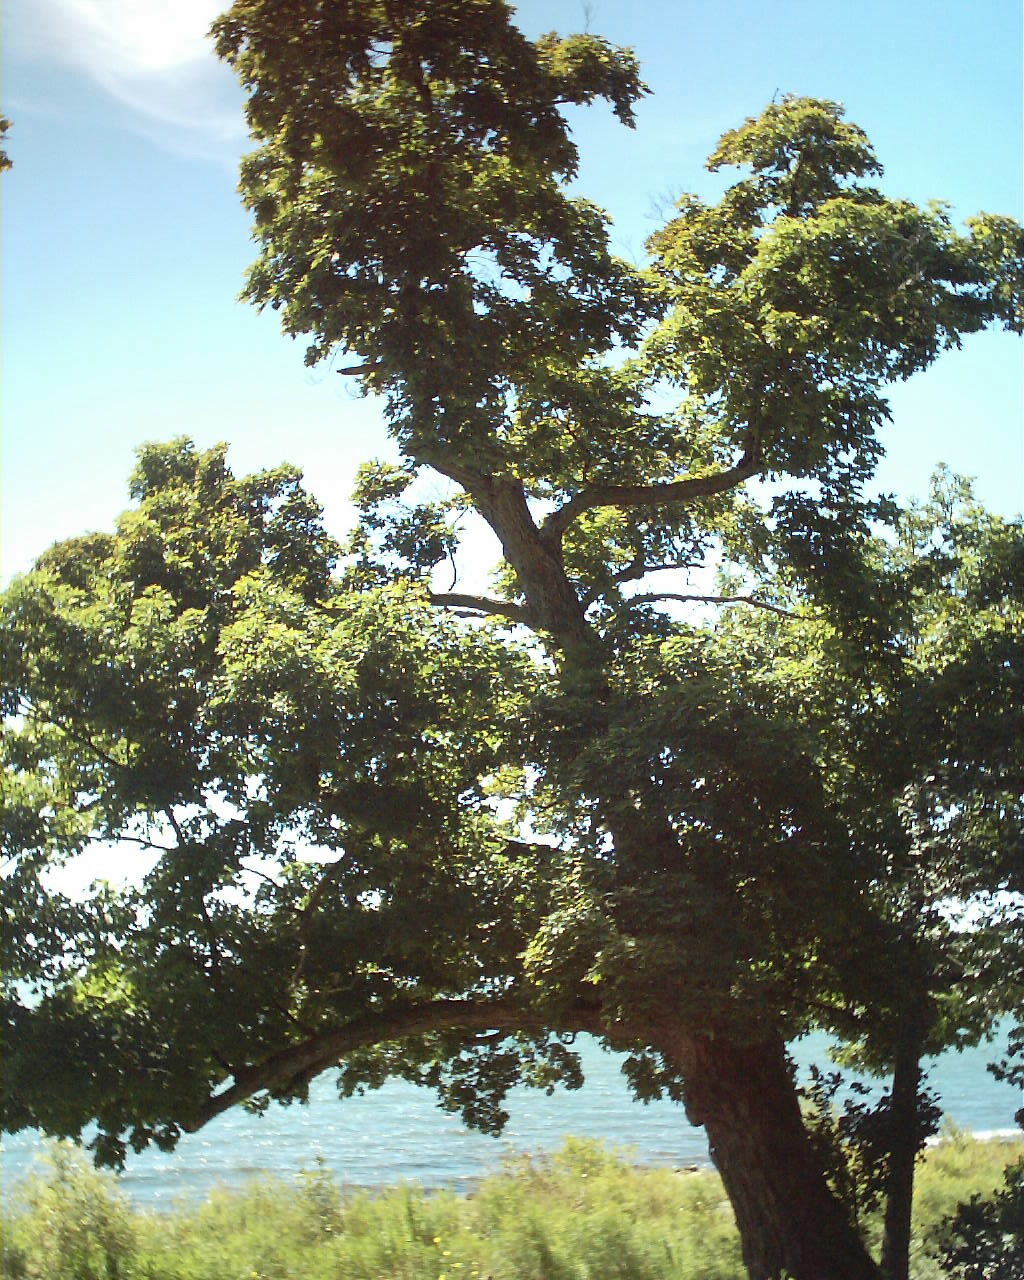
582,1214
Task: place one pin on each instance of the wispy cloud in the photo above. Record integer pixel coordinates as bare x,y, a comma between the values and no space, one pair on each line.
152,56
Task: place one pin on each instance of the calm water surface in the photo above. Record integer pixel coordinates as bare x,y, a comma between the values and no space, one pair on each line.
398,1133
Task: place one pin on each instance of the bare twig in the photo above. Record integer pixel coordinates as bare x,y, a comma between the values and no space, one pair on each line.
126,839
651,597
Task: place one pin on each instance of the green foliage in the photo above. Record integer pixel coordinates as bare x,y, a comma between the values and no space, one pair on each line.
200,685
963,1190
856,1139
819,289
579,1213
73,1225
376,833
203,684
905,681
396,539
984,1240
425,149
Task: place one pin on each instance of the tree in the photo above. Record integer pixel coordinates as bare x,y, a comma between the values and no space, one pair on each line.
955,849
911,682
432,832
313,772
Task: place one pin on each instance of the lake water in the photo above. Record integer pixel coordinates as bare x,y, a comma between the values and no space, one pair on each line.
398,1133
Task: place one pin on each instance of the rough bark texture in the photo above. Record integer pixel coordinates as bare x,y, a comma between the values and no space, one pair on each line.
551,602
789,1222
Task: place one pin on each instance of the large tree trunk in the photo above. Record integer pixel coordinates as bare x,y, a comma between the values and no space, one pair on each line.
789,1221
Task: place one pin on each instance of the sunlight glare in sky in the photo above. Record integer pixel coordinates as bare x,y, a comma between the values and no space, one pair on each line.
112,37
154,58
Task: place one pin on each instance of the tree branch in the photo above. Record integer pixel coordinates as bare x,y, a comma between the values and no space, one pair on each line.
262,875
308,1058
83,740
175,827
479,604
647,495
636,570
640,569
126,839
649,597
552,602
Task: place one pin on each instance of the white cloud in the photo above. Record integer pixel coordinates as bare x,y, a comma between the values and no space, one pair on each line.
134,36
153,56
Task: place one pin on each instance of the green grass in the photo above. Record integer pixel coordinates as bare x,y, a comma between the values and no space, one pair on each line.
582,1214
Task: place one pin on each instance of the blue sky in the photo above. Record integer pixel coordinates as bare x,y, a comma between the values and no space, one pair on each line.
124,243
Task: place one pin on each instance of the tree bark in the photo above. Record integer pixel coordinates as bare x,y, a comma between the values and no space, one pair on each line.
790,1223
551,602
903,1148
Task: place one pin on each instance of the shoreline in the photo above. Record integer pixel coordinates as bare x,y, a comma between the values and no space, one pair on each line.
464,1185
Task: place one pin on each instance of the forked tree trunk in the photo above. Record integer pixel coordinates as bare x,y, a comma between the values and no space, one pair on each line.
789,1221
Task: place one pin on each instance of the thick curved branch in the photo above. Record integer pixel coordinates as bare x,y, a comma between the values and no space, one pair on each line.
647,495
305,1060
479,604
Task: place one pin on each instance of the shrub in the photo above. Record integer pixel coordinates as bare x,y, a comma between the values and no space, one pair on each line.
583,1213
74,1225
984,1239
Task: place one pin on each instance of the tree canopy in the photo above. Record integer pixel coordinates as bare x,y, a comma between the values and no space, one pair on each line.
396,827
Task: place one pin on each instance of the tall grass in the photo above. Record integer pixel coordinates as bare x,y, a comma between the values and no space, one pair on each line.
584,1213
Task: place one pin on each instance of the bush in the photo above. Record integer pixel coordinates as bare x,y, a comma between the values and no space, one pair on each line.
74,1225
583,1213
578,1215
984,1239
